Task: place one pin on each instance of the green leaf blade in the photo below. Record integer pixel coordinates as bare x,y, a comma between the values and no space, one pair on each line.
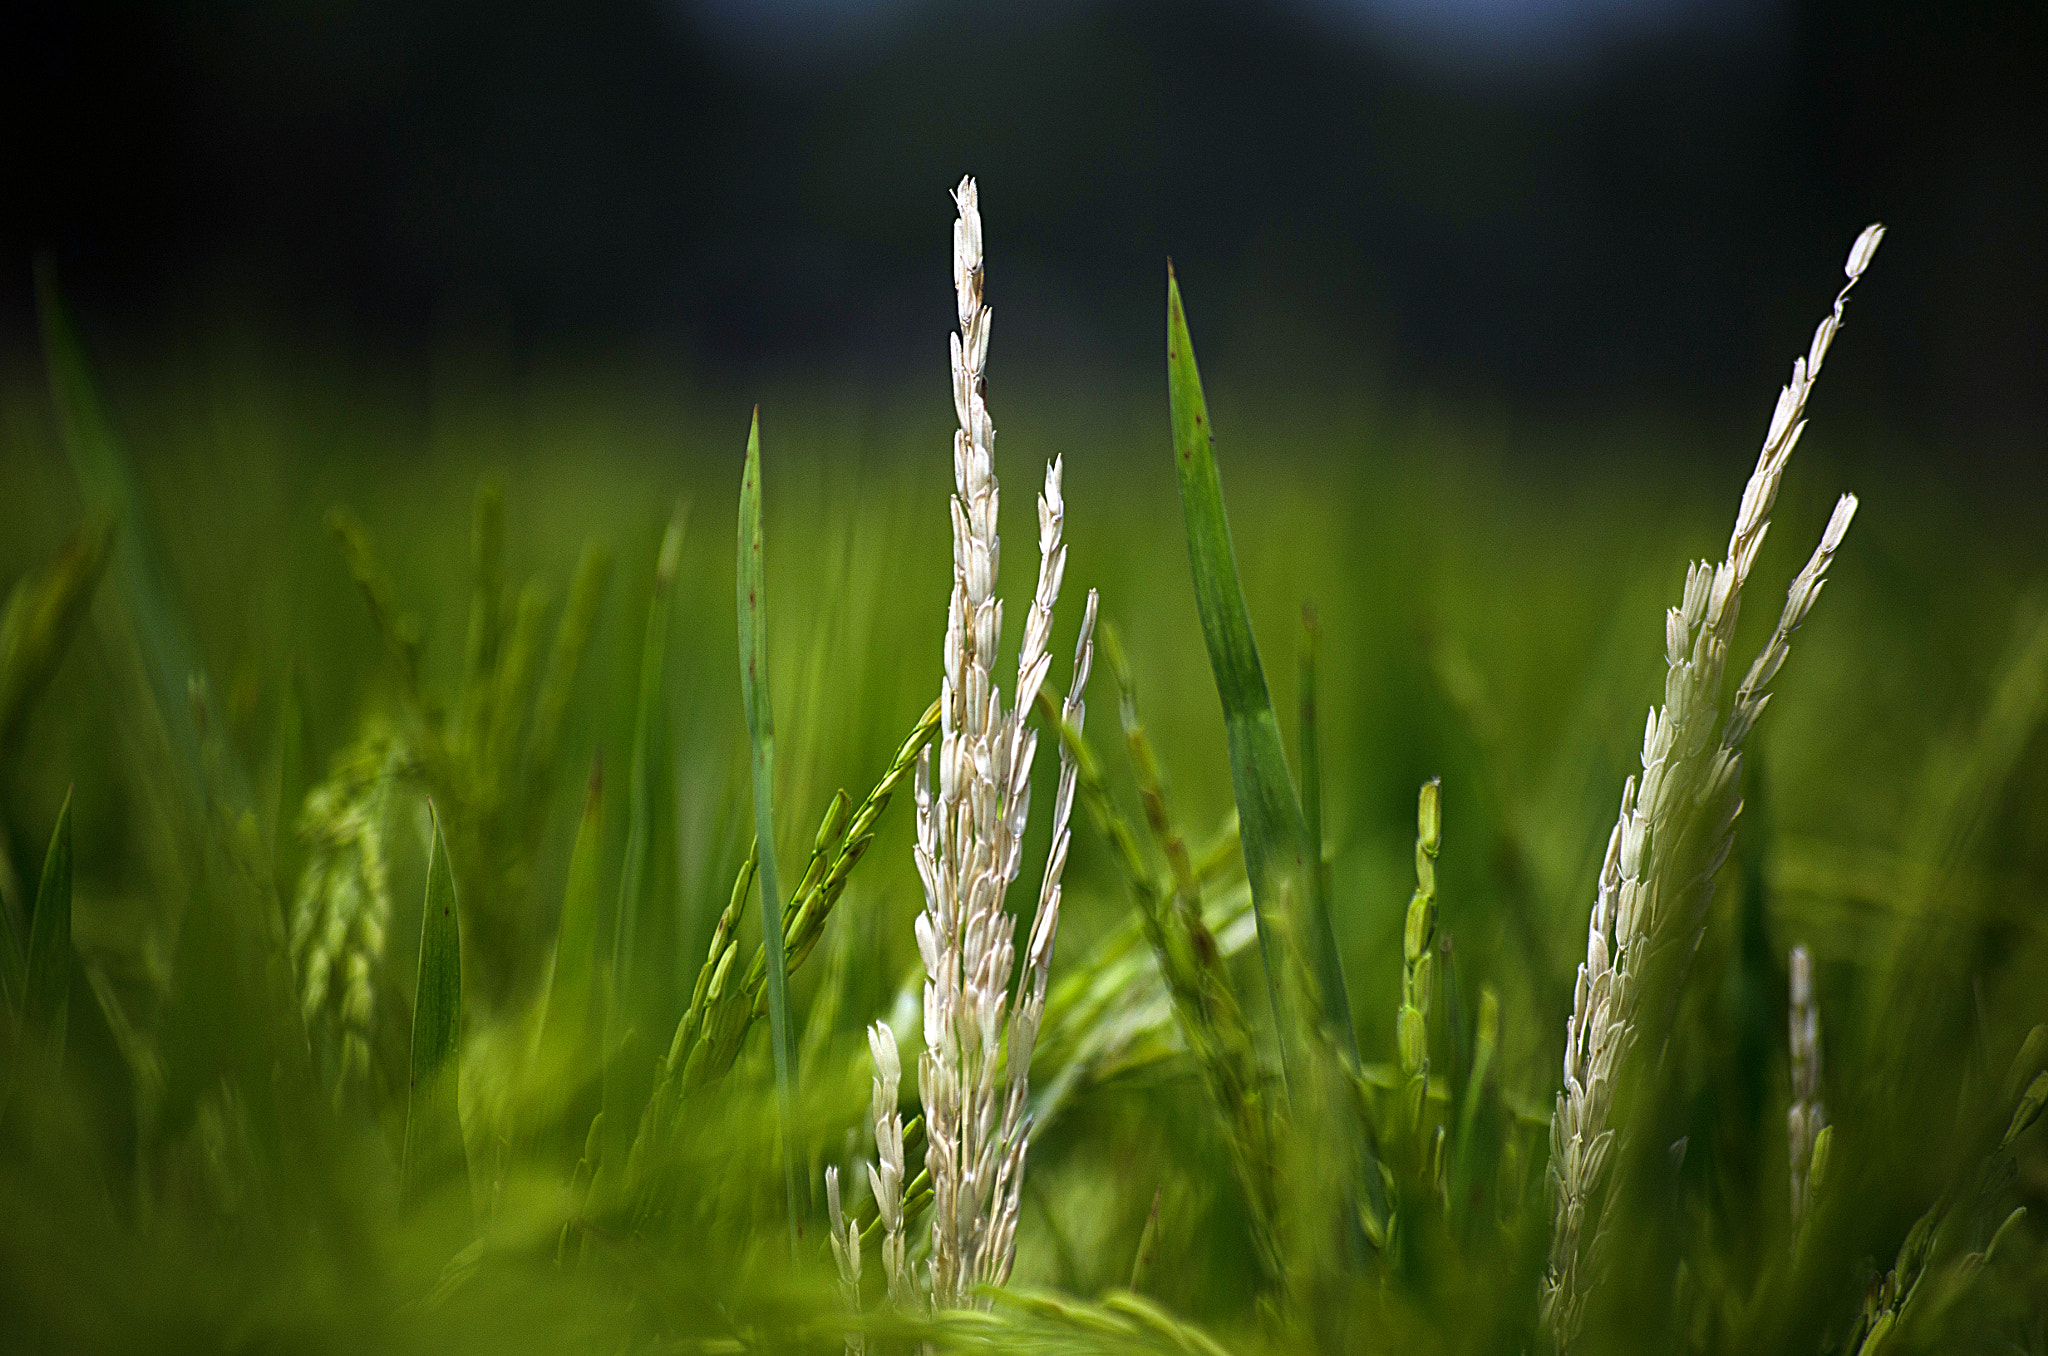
47,982
752,600
571,1016
645,927
646,776
1277,845
433,1122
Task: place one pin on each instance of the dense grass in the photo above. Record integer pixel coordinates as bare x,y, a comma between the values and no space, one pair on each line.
203,1163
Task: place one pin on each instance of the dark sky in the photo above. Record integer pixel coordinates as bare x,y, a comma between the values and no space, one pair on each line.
1558,203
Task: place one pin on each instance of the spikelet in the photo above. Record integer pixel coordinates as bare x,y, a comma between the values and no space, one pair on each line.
1418,961
885,1175
1675,828
845,1254
342,909
1807,1116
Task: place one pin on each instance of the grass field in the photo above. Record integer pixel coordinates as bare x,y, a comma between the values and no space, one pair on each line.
218,1128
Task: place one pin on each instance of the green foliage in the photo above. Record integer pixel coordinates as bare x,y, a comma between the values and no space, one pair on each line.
554,1126
490,759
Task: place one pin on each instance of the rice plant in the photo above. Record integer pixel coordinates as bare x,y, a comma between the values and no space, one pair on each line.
478,1040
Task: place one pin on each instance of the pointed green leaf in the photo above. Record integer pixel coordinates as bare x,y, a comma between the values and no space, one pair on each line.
753,610
48,981
433,1122
570,1016
646,783
646,931
1277,846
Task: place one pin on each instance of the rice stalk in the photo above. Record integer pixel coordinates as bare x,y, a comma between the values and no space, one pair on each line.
974,1072
727,999
1675,829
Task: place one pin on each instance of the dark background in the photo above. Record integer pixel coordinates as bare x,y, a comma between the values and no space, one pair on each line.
1562,206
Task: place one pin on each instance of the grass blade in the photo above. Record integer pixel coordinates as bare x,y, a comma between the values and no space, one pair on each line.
570,1015
645,929
48,978
572,642
433,1122
1308,743
1276,837
646,782
753,608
